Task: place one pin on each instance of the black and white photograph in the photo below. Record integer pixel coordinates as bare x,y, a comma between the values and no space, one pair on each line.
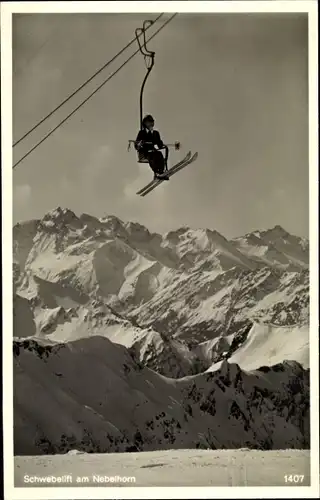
160,267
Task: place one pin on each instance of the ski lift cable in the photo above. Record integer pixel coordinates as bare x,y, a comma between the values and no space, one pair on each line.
85,83
94,92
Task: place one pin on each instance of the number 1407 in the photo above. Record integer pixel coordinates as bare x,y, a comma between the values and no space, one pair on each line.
294,478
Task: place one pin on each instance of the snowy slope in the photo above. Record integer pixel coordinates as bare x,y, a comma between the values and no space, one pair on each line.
61,314
201,306
169,468
262,342
90,394
275,343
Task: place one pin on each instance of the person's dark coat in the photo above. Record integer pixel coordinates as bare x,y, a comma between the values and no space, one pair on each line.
145,135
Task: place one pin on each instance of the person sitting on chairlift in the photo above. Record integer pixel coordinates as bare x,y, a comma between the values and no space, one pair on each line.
148,143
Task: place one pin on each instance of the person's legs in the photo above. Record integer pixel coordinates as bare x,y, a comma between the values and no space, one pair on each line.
166,155
156,162
143,156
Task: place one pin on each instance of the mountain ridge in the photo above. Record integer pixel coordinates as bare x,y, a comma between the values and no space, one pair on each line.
103,401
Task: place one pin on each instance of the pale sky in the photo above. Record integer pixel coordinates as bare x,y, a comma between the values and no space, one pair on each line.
231,86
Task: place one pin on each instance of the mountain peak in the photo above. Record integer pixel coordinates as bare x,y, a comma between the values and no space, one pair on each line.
135,227
111,218
60,213
278,231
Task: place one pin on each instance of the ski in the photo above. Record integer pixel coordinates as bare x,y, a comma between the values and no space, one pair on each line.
179,166
154,181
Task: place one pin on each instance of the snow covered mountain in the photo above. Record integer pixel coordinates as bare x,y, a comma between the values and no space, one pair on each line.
176,309
160,294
